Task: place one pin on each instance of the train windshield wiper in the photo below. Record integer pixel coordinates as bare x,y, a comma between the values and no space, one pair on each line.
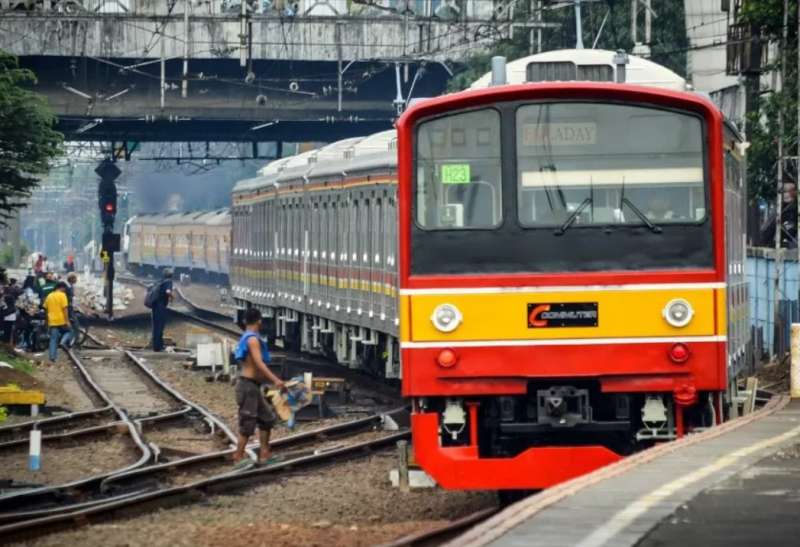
571,218
653,228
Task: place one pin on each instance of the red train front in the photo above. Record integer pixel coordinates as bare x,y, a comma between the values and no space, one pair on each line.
564,276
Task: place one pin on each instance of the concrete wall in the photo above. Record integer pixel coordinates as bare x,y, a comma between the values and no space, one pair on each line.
214,32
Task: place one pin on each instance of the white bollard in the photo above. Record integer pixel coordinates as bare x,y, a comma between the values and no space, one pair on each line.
794,366
226,356
35,451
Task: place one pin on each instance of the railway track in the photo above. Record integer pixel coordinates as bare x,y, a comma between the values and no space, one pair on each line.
443,533
189,479
140,402
155,418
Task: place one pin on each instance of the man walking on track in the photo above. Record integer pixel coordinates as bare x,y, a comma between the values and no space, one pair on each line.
160,302
252,354
57,308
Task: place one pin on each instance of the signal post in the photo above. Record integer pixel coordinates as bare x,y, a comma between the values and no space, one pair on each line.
107,202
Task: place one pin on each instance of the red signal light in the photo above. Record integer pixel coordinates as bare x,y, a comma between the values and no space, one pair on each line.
109,207
679,353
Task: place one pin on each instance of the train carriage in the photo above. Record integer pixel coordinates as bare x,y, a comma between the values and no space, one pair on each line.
315,248
570,287
180,233
217,242
195,242
134,239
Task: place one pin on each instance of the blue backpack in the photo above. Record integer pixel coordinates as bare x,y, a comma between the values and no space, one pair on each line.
240,353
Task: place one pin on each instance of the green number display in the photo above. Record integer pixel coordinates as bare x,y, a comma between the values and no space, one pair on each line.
456,173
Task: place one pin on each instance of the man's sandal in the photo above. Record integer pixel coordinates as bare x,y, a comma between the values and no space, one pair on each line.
243,464
272,460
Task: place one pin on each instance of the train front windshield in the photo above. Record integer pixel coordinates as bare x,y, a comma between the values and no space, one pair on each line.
561,186
607,165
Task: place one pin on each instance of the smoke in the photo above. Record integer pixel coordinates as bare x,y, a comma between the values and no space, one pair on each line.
156,187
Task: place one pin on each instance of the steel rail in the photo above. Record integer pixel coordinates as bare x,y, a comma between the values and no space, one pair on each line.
232,331
440,534
135,495
214,422
86,431
190,492
57,491
52,422
201,309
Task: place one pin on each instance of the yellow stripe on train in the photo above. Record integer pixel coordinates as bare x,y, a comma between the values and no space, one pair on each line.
504,316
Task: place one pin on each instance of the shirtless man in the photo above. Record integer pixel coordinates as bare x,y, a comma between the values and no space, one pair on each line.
253,408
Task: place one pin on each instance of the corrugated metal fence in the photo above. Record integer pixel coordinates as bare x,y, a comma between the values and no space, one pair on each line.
761,277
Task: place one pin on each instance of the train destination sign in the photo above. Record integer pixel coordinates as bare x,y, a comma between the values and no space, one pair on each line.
569,314
559,134
458,173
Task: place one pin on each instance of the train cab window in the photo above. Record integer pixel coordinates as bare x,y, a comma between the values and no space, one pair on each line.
594,164
458,182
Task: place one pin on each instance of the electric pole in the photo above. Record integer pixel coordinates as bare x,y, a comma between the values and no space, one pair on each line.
777,318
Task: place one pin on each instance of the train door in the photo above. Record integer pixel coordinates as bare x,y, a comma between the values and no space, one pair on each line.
376,236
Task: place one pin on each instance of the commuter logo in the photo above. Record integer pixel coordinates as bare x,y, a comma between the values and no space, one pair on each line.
572,314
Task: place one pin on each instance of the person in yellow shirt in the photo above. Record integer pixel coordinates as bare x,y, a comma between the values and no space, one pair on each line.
57,307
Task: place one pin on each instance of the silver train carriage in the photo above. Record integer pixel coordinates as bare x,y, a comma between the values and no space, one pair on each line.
197,243
315,249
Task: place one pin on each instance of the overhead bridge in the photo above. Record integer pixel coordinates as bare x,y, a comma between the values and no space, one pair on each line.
150,70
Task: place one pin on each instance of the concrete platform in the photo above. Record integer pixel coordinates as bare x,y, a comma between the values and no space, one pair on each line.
736,484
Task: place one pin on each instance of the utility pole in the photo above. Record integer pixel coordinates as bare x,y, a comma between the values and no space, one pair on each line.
185,83
578,26
777,319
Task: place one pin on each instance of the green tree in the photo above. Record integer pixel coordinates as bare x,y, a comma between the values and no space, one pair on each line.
762,119
668,39
27,139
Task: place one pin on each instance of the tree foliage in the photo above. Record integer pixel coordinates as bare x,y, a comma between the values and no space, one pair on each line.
668,39
27,138
762,120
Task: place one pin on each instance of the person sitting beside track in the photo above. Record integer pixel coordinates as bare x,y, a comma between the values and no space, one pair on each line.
57,307
254,409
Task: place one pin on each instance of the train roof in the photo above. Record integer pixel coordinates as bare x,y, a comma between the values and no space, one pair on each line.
191,218
351,154
638,71
245,184
218,217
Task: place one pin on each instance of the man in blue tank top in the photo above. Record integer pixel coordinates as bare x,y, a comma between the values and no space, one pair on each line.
254,410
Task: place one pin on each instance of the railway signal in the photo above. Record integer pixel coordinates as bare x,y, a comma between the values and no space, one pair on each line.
107,202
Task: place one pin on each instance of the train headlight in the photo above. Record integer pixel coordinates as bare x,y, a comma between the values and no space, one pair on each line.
446,317
678,312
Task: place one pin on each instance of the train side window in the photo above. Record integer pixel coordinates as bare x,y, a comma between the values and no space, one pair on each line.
458,180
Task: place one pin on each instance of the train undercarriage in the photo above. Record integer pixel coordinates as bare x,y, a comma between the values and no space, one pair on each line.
353,346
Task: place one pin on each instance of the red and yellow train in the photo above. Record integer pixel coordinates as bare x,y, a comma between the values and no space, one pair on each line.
571,265
571,274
